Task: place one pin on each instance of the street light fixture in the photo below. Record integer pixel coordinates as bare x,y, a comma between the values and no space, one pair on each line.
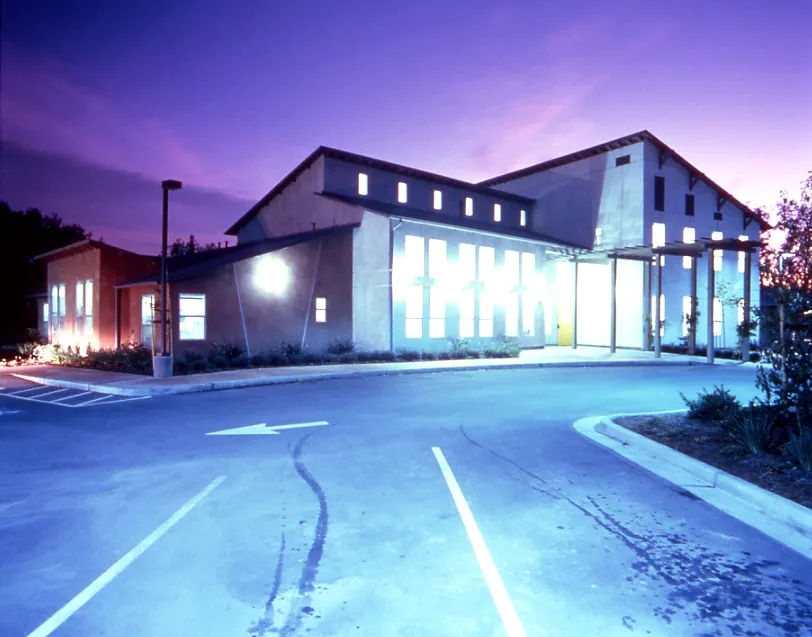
162,365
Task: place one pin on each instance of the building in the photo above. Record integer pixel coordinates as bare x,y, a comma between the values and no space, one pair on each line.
570,251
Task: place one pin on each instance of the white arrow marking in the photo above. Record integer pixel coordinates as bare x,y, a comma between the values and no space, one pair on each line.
263,429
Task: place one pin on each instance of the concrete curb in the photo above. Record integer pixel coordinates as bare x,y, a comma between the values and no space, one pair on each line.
775,516
188,388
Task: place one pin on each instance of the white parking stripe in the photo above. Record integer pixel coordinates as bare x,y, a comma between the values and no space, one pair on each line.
64,613
84,393
110,402
22,391
91,401
504,605
48,393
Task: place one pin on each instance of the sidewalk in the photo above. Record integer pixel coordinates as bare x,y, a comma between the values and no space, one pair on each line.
131,385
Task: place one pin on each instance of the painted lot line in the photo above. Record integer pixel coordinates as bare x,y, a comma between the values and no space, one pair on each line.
59,397
64,613
504,605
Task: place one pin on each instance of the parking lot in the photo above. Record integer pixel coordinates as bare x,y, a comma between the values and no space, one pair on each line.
439,504
24,390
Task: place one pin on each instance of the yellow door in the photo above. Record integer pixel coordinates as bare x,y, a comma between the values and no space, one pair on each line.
564,326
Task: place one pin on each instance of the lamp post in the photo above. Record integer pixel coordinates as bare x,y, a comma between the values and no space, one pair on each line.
162,365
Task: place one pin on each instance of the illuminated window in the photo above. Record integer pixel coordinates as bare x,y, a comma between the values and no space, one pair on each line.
717,254
466,275
522,217
147,318
717,316
657,235
414,254
437,260
688,236
61,307
487,275
742,237
469,207
598,236
363,184
511,280
511,268
403,192
80,307
414,311
662,312
438,200
529,294
740,312
437,296
321,309
192,313
497,212
45,319
686,314
88,307
54,309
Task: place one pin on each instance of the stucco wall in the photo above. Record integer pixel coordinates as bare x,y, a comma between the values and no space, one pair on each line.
371,306
296,208
272,313
341,178
69,270
572,200
676,279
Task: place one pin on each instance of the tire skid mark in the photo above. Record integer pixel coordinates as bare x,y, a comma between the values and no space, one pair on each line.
316,552
265,625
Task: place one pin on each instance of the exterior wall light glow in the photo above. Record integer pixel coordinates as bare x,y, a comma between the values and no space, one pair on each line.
272,275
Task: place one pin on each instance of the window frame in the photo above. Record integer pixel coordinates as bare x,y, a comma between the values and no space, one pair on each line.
182,316
320,308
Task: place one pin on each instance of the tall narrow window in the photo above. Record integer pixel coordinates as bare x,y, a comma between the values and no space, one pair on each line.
657,235
522,218
45,320
659,193
62,307
686,314
414,257
414,249
54,309
497,212
662,312
469,207
742,237
80,308
530,294
363,184
598,236
466,275
438,200
717,254
321,309
89,307
403,192
147,318
689,205
511,279
437,296
688,236
192,317
486,279
414,311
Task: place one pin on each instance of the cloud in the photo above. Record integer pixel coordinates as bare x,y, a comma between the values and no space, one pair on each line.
49,107
122,207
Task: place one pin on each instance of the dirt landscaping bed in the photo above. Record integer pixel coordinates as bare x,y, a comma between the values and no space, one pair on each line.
711,444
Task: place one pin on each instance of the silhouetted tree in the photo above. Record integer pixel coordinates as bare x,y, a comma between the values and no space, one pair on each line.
25,235
180,248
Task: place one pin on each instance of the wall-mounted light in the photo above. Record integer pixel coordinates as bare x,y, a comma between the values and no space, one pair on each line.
272,275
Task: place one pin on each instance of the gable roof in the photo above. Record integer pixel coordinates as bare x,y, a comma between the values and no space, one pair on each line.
621,142
362,160
81,246
193,265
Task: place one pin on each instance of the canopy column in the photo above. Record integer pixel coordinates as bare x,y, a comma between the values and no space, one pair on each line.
748,261
711,294
575,304
694,307
613,309
658,339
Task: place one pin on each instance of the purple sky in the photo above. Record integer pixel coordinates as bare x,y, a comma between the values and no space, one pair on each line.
101,100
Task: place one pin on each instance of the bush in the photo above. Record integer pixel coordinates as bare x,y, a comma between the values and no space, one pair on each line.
382,356
259,360
754,427
347,357
276,359
717,406
340,346
289,349
130,359
226,353
799,446
428,356
408,355
33,339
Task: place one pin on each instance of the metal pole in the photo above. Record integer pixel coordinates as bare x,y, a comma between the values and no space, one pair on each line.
694,324
575,304
613,310
164,232
746,308
647,305
711,294
658,338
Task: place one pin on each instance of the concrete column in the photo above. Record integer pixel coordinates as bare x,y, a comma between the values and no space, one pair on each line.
613,309
575,304
711,294
658,339
694,306
647,305
748,261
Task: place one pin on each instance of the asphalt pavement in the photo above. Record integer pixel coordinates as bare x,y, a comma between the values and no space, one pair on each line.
127,519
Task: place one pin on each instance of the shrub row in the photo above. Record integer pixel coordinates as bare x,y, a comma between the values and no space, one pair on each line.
759,427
